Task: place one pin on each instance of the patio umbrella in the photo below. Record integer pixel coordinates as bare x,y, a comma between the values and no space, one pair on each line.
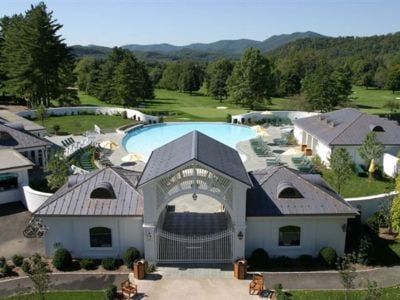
108,145
132,157
267,112
263,132
292,151
257,128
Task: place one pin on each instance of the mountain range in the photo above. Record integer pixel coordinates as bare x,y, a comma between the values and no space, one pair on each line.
199,51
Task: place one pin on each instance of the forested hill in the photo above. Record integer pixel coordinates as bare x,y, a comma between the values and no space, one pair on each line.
377,47
197,51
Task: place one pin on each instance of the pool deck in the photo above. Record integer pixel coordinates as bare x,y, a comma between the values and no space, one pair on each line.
252,162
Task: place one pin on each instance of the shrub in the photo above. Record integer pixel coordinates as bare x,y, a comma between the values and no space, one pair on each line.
17,260
26,266
376,221
109,263
150,268
62,259
328,256
305,260
228,118
124,115
161,119
259,258
2,261
280,294
87,264
282,262
111,292
131,254
6,270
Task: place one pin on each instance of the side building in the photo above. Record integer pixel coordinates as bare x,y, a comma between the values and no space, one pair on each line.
346,128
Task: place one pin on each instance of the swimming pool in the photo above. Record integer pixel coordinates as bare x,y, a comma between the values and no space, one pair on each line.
144,140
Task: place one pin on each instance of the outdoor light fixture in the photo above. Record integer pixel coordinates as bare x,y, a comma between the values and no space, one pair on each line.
240,235
148,235
344,227
194,196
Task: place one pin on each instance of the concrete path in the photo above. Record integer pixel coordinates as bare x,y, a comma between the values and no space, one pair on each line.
198,283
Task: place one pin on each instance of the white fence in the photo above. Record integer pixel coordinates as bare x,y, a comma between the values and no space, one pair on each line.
259,115
370,204
33,199
63,111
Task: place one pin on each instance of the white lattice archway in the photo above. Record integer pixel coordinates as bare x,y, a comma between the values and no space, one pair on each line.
194,179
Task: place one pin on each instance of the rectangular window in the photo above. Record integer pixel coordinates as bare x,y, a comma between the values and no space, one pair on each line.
289,236
100,237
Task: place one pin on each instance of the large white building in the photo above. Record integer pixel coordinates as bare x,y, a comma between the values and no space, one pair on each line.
279,209
346,128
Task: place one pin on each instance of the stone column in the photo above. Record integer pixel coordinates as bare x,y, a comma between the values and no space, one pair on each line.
239,241
150,244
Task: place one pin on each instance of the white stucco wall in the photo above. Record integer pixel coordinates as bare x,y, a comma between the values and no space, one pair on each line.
73,234
390,165
33,199
16,194
316,232
61,111
257,115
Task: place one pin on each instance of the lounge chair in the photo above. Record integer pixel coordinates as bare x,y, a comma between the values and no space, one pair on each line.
256,285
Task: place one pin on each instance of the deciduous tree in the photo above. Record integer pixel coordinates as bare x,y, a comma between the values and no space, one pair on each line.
251,80
340,167
58,170
371,149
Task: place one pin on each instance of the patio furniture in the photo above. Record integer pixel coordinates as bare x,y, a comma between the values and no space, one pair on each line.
256,285
298,159
272,161
128,289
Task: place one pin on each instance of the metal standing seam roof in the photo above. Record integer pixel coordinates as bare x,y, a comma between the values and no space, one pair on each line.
349,127
318,198
73,199
199,147
22,138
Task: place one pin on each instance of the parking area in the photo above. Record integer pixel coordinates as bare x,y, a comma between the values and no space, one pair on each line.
13,219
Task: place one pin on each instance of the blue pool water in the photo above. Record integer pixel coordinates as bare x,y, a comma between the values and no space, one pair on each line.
144,140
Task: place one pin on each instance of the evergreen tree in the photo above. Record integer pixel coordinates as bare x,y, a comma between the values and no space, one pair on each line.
251,83
190,77
326,88
33,55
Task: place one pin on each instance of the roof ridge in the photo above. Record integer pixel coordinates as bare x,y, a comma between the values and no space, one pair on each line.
195,150
276,169
350,124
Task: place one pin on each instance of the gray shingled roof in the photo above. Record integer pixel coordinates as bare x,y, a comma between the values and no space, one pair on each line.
349,127
20,139
10,117
199,147
73,199
318,198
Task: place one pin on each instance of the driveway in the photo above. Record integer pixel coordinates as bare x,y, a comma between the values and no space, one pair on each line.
13,219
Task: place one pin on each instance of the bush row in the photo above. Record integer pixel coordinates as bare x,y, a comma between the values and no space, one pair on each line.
260,259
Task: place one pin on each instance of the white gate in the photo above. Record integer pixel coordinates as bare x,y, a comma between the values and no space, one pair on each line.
210,248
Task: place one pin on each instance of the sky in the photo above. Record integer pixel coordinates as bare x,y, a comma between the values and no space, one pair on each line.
181,22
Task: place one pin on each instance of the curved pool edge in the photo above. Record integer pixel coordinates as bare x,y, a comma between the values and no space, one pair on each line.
243,156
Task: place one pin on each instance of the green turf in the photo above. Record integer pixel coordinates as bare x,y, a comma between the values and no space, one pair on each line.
82,123
361,186
392,293
372,100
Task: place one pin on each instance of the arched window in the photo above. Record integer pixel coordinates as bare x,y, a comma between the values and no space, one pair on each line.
376,128
289,236
100,237
103,191
287,190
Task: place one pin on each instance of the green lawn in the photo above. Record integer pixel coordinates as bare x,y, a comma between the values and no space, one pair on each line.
373,100
392,293
82,123
362,186
176,106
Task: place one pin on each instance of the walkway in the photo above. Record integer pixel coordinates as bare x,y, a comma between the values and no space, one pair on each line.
202,283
